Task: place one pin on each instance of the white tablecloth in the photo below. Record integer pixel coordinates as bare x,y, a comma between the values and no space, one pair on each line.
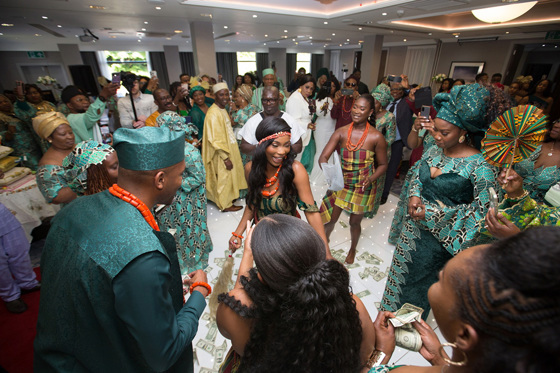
27,204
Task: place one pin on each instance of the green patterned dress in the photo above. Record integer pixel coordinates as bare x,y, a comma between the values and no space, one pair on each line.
23,141
50,180
188,216
537,180
27,111
388,127
455,201
402,205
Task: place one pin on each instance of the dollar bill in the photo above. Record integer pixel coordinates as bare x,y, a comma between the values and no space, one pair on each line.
220,262
406,315
377,274
214,280
363,293
206,346
364,256
344,225
212,332
363,275
220,355
208,269
407,337
205,316
195,357
352,266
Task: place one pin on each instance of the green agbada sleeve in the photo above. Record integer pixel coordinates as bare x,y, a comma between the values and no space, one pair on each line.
143,303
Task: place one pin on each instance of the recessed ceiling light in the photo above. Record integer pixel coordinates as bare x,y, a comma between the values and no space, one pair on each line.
255,16
58,25
544,45
361,41
507,32
311,37
7,24
383,14
264,43
456,36
360,28
139,40
285,30
333,34
178,31
158,8
347,39
167,38
1,33
329,39
145,22
206,15
227,40
143,29
98,7
40,35
45,17
326,23
225,27
266,35
293,39
340,45
404,40
297,43
277,42
76,35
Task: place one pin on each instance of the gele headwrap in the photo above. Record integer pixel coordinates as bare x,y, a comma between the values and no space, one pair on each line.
84,155
275,136
465,107
45,124
148,148
197,88
268,71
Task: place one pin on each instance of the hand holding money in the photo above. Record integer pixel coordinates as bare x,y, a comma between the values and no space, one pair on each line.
406,336
430,343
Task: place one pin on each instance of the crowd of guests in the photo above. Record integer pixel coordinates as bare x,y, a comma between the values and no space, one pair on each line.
133,230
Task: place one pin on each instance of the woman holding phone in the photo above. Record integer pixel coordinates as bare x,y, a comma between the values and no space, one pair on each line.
344,101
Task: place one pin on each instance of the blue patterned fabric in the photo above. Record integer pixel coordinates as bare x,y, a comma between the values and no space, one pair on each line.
537,180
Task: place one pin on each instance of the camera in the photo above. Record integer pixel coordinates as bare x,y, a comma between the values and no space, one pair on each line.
347,92
128,80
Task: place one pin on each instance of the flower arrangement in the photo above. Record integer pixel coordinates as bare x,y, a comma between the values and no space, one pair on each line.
439,78
46,80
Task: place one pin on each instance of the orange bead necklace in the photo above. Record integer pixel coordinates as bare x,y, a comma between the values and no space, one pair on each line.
344,111
119,192
270,182
353,147
273,179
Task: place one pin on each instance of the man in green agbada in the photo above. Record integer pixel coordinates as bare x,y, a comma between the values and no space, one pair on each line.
112,296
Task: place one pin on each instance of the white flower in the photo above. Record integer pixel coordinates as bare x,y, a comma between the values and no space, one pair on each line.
46,80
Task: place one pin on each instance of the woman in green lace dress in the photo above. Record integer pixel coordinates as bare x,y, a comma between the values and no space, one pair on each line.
447,199
278,184
51,178
18,135
200,107
187,213
242,98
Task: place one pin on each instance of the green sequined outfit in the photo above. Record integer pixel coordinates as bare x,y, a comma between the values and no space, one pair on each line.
455,201
537,180
23,141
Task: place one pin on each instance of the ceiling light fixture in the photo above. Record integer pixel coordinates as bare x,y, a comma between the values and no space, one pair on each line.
58,25
264,43
225,27
255,16
45,17
285,30
383,14
178,31
507,32
404,40
333,34
360,28
7,24
158,8
143,29
503,13
145,22
266,35
97,7
325,23
40,35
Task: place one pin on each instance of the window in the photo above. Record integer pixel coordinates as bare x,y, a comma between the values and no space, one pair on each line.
135,62
304,60
246,62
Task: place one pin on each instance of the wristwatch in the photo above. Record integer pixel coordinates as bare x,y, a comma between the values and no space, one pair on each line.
101,98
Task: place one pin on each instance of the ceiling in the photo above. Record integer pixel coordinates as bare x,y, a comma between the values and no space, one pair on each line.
298,25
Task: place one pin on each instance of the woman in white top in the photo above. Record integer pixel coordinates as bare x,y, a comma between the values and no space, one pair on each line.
324,128
301,107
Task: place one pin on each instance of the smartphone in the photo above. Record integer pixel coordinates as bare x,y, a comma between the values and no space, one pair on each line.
105,134
116,78
394,79
493,196
347,92
425,111
153,74
185,86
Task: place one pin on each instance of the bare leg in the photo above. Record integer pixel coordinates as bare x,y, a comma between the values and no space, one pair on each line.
334,218
355,231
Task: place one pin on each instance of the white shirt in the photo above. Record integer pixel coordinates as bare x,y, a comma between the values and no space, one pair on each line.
144,105
247,133
298,107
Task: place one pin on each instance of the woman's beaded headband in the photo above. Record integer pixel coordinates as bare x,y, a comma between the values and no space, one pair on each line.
275,136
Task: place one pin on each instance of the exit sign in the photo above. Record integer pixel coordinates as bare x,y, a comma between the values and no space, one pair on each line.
553,35
36,55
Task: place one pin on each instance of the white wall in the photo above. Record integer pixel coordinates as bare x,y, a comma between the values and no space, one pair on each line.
10,61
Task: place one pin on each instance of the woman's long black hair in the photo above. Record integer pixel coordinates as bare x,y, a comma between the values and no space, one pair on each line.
257,176
305,318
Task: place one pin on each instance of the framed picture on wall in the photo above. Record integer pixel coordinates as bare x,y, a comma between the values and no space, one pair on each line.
465,70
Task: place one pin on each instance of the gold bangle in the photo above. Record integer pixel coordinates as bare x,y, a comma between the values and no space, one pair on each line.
525,194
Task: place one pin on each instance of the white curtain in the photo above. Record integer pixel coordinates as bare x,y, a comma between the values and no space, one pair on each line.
335,63
418,64
102,62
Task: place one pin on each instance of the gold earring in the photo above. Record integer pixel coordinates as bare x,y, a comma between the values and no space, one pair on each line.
461,363
462,139
50,141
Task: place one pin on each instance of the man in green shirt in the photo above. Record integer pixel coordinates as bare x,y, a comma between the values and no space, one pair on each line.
112,295
84,115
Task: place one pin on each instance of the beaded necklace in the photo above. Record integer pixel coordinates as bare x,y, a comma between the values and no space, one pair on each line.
271,182
353,147
344,111
119,192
